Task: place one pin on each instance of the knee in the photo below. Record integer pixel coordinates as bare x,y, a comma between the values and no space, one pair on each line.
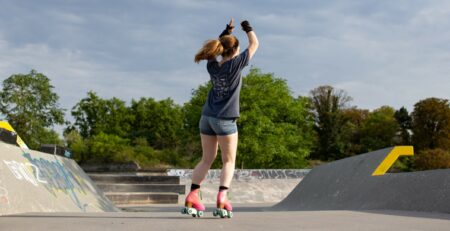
208,161
228,160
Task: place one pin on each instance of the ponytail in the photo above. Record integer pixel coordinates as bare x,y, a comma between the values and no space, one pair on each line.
210,50
225,46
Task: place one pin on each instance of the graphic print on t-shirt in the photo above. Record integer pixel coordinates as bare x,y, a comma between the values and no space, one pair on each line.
221,87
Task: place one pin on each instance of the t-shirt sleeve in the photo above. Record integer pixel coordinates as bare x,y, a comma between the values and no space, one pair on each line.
210,64
242,60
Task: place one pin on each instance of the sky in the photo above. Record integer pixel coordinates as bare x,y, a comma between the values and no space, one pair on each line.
381,52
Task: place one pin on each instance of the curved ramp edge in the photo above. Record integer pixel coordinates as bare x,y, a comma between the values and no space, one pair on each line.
32,181
351,184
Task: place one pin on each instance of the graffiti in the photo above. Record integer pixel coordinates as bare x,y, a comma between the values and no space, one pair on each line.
50,174
245,174
21,172
58,178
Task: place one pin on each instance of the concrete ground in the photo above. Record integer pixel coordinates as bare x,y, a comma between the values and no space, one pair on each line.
168,217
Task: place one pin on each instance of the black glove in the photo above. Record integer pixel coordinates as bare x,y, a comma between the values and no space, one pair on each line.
227,31
246,26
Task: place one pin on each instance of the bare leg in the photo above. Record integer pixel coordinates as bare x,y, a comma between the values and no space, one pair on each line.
209,147
228,148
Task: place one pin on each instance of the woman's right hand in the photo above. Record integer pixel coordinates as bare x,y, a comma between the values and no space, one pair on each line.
253,42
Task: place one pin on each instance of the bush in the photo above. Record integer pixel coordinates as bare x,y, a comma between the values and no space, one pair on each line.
432,159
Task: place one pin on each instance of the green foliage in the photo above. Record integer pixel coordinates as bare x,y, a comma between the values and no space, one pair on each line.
107,148
94,115
77,146
405,122
275,128
432,159
29,104
160,122
328,104
431,124
352,131
103,130
379,130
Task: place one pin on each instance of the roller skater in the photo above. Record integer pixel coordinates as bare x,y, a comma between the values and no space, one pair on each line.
219,114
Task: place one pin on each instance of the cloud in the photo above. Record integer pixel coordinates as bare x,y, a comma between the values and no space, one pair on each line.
382,52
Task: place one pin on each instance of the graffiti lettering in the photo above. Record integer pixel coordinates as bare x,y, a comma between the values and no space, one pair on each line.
246,174
58,178
21,172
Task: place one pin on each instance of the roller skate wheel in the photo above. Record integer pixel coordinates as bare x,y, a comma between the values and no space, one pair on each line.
200,214
224,213
190,211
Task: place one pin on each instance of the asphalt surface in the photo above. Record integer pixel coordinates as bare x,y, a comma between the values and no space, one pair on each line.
254,217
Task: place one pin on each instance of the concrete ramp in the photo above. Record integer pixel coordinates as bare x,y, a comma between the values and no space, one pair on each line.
360,183
32,181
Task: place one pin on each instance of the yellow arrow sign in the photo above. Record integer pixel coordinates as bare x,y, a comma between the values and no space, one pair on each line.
390,159
19,141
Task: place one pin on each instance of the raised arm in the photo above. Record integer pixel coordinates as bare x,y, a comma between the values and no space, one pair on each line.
253,43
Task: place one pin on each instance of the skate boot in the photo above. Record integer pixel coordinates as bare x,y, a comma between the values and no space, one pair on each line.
224,208
193,206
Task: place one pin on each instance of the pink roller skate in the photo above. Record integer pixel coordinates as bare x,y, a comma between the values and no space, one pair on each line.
193,206
224,208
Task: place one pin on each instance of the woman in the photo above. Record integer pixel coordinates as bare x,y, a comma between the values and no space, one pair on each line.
218,121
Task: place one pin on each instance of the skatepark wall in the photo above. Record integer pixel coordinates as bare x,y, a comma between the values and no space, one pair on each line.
355,184
248,185
32,181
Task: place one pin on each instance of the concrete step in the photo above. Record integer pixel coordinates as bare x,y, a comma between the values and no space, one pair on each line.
166,188
134,179
142,198
129,173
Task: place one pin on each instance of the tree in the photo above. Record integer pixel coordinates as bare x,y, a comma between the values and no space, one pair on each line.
431,124
432,159
380,129
405,121
328,104
275,129
94,115
108,148
160,122
29,104
77,146
352,131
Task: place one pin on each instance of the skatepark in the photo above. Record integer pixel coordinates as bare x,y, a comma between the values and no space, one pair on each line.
228,115
40,191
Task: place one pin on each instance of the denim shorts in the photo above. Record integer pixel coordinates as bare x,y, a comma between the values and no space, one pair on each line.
217,127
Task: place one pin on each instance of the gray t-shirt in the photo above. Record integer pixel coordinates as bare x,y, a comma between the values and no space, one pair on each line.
223,98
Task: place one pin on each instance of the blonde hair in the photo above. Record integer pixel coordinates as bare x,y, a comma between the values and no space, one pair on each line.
224,46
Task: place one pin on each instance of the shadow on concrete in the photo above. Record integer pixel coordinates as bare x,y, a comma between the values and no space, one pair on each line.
209,208
430,215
